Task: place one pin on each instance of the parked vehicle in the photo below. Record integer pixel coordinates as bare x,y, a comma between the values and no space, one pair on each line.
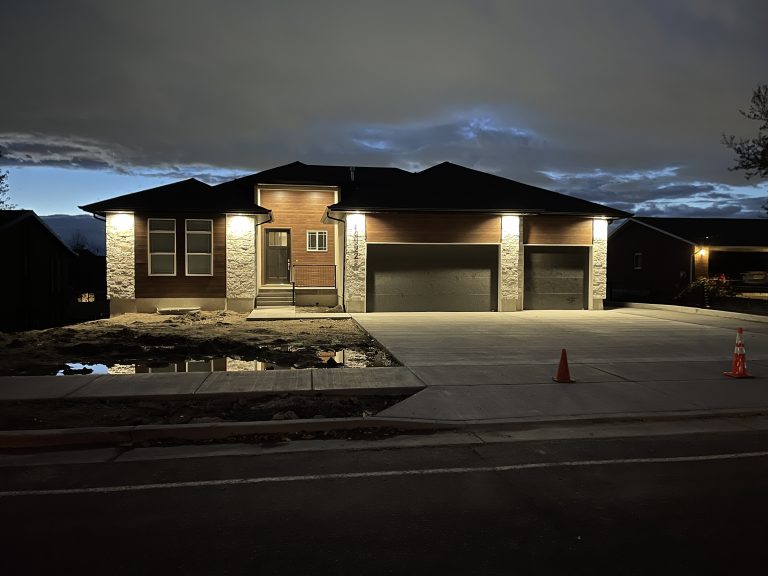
754,277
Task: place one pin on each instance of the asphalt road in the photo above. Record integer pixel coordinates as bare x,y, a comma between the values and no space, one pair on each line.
677,504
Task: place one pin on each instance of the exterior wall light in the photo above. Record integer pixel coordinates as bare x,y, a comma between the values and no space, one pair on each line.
599,229
356,222
120,222
239,225
510,226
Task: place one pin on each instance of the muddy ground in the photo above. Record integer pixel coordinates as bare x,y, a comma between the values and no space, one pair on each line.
158,339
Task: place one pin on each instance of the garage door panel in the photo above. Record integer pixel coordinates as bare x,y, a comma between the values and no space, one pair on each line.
419,278
556,278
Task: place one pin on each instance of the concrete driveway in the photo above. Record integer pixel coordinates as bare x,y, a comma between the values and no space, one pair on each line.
481,366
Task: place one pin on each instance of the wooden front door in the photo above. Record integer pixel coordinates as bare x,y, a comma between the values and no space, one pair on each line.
278,256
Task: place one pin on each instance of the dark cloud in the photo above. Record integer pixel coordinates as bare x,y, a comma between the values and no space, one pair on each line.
518,88
687,211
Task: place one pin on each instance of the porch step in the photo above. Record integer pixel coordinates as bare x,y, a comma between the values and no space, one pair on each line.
273,303
274,297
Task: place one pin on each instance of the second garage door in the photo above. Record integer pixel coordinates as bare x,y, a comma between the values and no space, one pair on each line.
432,277
556,277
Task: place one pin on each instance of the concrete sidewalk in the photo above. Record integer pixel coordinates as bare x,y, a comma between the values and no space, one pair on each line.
593,397
206,383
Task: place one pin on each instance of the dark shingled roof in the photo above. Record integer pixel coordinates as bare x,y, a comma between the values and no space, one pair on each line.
367,179
189,195
444,187
450,187
9,218
714,231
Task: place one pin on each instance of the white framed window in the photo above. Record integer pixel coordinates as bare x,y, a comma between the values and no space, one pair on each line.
317,241
162,246
199,247
637,261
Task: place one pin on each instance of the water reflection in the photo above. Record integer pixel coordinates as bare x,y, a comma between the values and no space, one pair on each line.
331,358
78,368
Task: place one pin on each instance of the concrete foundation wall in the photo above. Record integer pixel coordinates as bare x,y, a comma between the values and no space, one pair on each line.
152,304
244,305
119,306
316,297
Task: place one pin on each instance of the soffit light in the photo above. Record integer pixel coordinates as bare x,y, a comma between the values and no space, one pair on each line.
239,224
121,221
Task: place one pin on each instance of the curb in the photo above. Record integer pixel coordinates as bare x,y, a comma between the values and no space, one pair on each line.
689,310
12,439
21,439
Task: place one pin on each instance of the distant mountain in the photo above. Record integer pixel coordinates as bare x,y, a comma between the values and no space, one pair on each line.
80,231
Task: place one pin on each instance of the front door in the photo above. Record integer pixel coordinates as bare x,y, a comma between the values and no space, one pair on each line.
278,256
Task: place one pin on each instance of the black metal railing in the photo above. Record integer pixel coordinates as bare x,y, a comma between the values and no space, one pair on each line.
314,275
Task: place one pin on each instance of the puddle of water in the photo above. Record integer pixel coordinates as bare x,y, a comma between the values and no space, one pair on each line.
78,368
329,359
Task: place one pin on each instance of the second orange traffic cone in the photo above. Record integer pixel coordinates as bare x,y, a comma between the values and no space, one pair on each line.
563,375
739,366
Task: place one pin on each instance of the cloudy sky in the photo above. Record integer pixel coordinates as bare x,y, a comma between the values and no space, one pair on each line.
622,102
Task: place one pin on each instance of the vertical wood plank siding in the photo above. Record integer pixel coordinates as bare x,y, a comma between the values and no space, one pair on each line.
431,227
557,230
299,211
181,286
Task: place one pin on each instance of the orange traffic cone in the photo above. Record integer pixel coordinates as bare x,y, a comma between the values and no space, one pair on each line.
739,367
563,374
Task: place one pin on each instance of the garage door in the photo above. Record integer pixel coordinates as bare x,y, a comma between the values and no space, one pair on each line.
556,278
431,277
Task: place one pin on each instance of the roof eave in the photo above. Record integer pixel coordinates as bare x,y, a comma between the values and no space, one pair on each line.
201,210
611,215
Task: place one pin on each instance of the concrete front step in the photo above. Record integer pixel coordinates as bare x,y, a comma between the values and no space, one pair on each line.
269,297
274,299
273,303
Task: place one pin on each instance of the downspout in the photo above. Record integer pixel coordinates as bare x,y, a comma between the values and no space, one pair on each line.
343,259
255,238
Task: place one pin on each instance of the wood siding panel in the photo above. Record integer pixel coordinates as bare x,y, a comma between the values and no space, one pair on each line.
181,286
557,230
299,211
437,228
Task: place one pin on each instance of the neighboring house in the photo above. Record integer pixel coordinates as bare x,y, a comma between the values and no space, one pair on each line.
654,259
447,238
90,286
39,270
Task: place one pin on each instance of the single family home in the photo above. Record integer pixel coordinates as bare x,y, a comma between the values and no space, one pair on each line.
370,239
40,273
654,259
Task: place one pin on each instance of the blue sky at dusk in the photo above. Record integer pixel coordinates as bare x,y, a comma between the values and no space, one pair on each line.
621,102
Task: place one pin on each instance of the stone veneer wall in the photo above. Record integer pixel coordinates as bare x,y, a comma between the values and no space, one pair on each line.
355,259
510,263
241,262
121,281
599,262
